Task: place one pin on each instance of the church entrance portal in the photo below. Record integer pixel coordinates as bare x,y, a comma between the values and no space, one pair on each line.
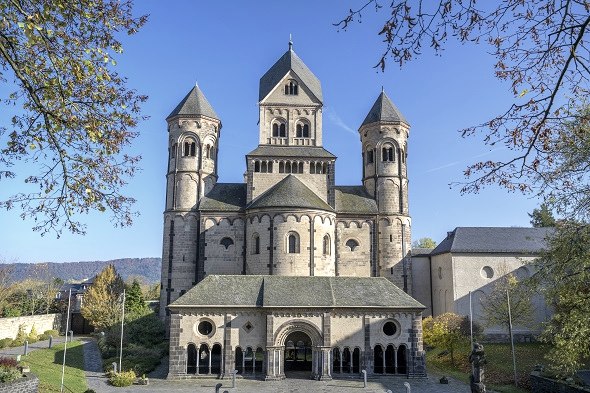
298,355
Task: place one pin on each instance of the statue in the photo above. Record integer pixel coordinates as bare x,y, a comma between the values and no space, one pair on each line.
477,358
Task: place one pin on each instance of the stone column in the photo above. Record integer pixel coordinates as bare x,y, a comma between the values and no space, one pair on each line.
417,356
274,370
177,365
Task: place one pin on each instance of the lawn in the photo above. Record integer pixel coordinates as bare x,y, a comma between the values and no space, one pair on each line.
47,364
498,372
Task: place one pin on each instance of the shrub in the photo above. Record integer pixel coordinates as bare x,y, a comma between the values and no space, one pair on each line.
125,378
9,374
33,336
8,362
21,336
51,332
6,342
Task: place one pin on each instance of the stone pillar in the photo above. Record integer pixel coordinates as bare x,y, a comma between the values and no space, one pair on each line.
227,352
417,356
274,369
324,360
177,364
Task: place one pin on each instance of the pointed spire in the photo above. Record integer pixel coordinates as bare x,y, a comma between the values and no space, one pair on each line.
194,104
290,42
384,110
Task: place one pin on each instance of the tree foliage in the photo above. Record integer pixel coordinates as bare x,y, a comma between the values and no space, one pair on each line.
424,242
73,113
102,302
564,277
542,217
541,51
446,331
495,304
134,301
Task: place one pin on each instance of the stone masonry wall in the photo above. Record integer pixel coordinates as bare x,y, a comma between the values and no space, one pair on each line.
28,384
9,326
540,384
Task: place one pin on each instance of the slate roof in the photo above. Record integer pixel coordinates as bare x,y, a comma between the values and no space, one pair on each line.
290,192
290,151
194,103
289,62
384,110
494,240
419,252
225,197
284,291
354,200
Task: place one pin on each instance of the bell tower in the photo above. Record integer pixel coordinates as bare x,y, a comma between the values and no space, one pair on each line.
193,134
384,134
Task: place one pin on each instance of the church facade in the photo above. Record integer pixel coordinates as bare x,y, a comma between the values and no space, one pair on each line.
288,271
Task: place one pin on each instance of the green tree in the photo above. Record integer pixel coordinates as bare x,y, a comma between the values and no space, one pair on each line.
563,276
72,113
444,331
424,242
542,217
134,301
541,52
102,302
495,304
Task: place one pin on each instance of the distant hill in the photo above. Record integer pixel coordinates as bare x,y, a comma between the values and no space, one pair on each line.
148,269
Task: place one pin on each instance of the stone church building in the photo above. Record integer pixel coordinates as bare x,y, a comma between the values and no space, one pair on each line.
287,271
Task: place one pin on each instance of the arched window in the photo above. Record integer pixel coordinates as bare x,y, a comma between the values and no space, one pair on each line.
281,167
312,167
263,167
173,152
208,151
292,243
288,167
270,167
256,166
369,156
255,244
306,131
352,244
226,242
326,243
275,130
387,153
191,361
302,130
283,130
279,128
300,167
299,132
291,88
189,148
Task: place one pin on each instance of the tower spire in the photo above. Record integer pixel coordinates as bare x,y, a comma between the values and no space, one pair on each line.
290,42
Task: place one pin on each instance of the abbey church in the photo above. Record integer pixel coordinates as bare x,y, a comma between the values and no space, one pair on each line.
288,272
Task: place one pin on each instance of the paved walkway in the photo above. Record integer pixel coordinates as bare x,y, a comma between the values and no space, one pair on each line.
14,351
98,382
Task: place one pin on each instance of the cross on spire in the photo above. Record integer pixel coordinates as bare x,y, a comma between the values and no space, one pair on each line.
290,42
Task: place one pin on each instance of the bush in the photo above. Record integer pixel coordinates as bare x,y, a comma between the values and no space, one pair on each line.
21,336
8,362
125,378
9,374
51,332
33,336
6,342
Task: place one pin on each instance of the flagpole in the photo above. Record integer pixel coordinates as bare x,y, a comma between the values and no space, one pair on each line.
63,366
122,320
511,338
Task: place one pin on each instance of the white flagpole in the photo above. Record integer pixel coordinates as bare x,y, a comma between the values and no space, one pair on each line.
63,366
122,320
511,338
471,319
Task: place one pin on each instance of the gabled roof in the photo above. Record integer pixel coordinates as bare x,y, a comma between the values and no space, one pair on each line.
354,200
308,292
290,151
509,240
289,62
193,104
384,110
290,192
225,197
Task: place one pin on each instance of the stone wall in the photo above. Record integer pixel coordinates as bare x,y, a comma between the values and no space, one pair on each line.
9,326
28,384
541,384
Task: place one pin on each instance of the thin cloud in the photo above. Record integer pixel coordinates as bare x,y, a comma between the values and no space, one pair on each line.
450,164
334,118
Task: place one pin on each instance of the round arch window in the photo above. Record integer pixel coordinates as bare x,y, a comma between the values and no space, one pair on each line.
487,272
205,328
390,328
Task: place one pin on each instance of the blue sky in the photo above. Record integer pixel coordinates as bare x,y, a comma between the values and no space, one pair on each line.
227,47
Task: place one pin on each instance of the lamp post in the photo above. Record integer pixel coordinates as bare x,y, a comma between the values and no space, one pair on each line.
63,366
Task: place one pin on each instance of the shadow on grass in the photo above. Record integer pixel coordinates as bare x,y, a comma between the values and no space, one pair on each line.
74,356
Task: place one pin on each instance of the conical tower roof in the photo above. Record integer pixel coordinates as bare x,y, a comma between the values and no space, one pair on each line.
289,62
384,110
193,104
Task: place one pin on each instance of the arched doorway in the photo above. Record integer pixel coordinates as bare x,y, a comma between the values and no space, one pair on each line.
402,367
298,353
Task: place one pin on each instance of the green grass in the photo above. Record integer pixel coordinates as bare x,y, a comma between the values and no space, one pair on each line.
47,363
498,372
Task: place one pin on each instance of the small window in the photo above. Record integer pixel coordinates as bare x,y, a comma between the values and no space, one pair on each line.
208,151
173,152
312,168
300,167
281,167
205,328
291,88
283,130
256,244
270,167
263,167
256,166
189,148
275,130
299,132
306,131
369,156
226,242
327,245
352,244
389,328
302,130
292,243
388,153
